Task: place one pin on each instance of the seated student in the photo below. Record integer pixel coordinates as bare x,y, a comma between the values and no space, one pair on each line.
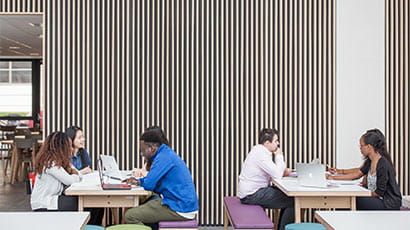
170,178
142,172
379,172
82,162
264,163
53,171
80,158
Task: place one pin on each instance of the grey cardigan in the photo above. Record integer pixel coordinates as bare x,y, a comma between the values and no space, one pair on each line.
49,185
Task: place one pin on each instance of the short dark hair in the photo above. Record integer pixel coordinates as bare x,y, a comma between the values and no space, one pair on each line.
267,134
152,137
160,132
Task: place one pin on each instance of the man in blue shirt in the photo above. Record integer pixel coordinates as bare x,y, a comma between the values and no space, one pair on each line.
170,178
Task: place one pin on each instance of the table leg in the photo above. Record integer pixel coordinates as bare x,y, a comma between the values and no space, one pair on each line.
297,210
14,160
353,203
116,215
80,203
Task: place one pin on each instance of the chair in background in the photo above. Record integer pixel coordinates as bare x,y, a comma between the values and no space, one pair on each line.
22,157
7,133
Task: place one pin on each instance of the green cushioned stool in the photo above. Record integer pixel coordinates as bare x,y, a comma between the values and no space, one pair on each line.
304,226
128,227
93,227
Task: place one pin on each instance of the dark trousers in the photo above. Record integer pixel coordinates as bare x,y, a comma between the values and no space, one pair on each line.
370,203
273,198
70,203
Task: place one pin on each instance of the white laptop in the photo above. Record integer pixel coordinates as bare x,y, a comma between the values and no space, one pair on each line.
111,168
312,175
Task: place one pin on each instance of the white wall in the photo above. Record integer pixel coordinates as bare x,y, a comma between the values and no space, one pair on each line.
360,103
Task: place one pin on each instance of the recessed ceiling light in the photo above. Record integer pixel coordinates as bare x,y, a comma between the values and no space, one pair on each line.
40,36
34,54
14,47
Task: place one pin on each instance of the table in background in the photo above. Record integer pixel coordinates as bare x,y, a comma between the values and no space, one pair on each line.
44,220
346,220
343,196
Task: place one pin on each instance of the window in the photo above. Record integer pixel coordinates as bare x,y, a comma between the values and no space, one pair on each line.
15,72
15,88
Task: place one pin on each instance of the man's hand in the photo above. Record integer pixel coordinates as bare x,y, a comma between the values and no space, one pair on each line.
132,181
287,172
278,152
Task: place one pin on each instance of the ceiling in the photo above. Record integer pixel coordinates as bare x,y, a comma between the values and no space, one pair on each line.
21,36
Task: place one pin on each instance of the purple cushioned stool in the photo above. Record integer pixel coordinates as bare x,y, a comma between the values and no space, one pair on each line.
187,224
244,216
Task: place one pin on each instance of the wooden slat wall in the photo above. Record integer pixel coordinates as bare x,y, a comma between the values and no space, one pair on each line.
21,6
211,73
397,88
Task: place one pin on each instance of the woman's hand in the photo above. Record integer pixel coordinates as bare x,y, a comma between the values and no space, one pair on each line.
86,170
73,171
139,172
334,170
329,176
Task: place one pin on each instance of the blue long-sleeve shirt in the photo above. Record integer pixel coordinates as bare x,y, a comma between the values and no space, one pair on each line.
170,177
77,160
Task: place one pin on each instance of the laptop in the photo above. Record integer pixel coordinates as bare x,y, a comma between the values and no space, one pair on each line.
111,168
312,175
106,186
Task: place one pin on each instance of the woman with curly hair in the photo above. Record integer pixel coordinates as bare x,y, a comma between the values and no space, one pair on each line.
53,171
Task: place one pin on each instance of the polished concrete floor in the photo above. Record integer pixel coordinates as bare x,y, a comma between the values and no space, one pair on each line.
13,198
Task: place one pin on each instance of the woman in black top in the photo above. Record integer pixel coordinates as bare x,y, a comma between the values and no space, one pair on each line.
378,172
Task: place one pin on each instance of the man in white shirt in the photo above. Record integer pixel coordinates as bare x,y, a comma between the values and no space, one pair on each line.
264,163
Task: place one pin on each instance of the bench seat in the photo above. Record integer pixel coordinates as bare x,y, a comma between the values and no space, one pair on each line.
186,224
244,216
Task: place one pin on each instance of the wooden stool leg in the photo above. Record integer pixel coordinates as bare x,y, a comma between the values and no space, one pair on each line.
276,213
226,221
104,219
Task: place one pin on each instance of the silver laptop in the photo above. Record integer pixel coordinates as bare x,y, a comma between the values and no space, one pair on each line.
311,175
111,167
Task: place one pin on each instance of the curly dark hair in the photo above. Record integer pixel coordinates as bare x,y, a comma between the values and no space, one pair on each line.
56,150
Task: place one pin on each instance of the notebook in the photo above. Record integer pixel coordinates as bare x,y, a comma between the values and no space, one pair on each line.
312,175
106,186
